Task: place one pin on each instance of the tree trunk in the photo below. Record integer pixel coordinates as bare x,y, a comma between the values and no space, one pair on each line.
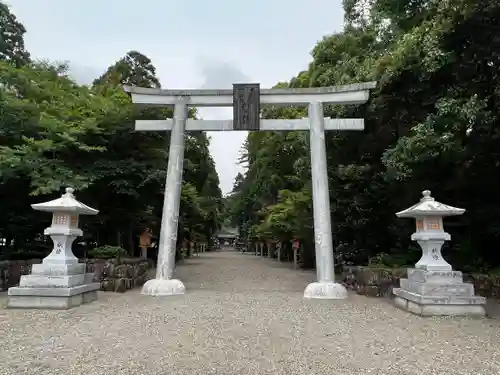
130,238
118,238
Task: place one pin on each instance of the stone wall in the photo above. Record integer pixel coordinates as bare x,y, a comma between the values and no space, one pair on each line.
378,282
115,275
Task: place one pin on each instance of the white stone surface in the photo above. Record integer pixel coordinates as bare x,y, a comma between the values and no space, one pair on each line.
325,290
161,287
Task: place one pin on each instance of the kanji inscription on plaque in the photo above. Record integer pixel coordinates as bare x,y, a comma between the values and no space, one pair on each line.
246,106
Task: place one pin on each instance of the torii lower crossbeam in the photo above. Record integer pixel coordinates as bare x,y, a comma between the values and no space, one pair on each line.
265,125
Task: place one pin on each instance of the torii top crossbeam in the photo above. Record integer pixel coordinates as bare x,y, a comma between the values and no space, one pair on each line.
347,94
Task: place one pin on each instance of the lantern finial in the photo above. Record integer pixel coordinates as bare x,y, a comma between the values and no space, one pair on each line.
427,195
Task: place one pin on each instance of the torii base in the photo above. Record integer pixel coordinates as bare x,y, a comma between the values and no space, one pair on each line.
325,290
162,288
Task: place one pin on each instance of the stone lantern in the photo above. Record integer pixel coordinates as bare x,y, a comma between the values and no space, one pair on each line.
60,281
432,287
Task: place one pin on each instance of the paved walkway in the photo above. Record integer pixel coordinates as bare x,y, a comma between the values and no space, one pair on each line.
243,315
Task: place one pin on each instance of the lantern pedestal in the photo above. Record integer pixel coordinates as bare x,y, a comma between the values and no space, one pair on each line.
432,287
60,282
438,293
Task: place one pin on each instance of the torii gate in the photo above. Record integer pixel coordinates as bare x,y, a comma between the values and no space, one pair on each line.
246,100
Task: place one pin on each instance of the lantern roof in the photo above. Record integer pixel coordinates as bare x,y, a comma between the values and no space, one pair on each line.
428,206
67,203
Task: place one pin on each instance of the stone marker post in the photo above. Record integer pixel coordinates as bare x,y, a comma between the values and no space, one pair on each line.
60,282
432,287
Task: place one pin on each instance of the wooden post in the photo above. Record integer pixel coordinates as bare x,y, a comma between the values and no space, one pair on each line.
145,242
296,247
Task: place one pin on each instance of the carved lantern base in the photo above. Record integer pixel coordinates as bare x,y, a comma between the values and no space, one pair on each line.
438,293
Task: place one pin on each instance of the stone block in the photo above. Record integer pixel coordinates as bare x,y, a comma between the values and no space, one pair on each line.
121,285
52,298
441,293
47,281
124,271
103,271
425,308
108,285
353,276
446,300
371,291
58,269
438,289
439,277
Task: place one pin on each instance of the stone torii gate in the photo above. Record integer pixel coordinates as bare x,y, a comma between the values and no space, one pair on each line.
246,100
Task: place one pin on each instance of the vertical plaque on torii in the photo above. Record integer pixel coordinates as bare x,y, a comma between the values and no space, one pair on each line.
246,106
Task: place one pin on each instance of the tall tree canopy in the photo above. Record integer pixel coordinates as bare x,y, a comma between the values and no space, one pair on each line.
55,133
430,124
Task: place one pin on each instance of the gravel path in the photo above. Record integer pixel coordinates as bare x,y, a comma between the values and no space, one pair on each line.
242,315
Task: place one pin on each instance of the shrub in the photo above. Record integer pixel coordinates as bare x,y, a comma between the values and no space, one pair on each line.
107,252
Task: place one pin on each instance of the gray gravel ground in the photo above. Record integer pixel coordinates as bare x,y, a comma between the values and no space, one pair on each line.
243,315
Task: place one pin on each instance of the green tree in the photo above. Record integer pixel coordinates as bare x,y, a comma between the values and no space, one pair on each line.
12,38
430,124
133,69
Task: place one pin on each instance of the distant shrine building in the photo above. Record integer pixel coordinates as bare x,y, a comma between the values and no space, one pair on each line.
228,234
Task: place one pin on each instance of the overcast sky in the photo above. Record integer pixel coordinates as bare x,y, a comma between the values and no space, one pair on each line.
193,44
